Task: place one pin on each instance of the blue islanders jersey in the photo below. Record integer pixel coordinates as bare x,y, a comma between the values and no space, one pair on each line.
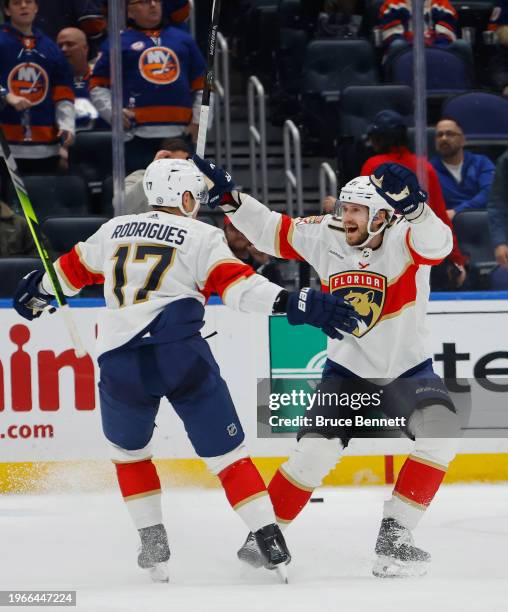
33,67
162,70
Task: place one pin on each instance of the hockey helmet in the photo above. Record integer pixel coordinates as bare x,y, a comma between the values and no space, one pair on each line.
361,191
166,180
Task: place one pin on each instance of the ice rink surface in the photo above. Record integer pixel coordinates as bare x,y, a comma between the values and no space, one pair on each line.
86,542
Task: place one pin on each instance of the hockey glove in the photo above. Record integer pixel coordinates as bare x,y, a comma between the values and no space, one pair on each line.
321,310
222,182
28,300
400,188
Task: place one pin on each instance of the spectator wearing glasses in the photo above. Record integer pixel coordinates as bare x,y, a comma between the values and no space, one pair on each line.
163,79
465,177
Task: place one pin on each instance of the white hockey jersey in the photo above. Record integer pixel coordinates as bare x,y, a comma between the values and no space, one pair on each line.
388,287
149,260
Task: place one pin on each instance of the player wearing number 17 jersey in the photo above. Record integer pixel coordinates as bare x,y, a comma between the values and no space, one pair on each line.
158,269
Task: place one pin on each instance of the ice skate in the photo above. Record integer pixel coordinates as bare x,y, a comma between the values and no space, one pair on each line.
154,554
397,555
266,548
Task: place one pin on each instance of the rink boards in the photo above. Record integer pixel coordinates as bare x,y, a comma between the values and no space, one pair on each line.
50,431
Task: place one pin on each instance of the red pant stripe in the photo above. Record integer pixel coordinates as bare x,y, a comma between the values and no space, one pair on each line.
418,482
137,478
241,480
287,497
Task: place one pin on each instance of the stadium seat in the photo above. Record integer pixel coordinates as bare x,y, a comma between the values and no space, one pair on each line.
290,14
91,157
360,104
64,232
483,116
332,65
473,236
290,57
446,71
54,195
12,269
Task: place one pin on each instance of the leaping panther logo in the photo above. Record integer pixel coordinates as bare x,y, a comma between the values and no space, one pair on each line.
366,292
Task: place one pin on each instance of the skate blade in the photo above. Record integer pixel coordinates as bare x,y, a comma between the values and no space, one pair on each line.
159,572
282,572
388,567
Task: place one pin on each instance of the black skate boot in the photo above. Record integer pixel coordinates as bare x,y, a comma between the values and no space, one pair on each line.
154,554
397,555
266,548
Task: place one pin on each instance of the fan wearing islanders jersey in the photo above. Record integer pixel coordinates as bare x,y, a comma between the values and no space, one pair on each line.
163,79
158,269
39,116
375,254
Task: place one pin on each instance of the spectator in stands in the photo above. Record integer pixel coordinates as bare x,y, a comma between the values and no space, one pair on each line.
87,15
497,209
339,19
163,78
242,248
39,116
465,177
388,138
498,65
395,22
15,237
135,198
74,46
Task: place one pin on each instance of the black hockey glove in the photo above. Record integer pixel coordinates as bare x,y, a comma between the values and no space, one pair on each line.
223,183
400,188
28,300
319,309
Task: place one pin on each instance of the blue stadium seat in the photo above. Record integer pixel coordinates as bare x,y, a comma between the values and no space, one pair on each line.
64,232
446,72
360,104
483,116
12,269
473,236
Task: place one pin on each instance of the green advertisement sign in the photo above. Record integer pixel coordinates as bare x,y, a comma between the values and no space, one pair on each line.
297,358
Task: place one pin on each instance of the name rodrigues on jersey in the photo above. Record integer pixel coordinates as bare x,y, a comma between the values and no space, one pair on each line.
155,231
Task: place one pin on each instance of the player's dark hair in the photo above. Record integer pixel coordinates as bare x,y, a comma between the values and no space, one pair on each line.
176,144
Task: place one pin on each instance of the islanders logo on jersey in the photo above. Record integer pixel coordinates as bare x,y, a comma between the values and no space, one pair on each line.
159,65
365,291
30,81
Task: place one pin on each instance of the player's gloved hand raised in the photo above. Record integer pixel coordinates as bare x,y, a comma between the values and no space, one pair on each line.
321,310
222,180
28,301
399,187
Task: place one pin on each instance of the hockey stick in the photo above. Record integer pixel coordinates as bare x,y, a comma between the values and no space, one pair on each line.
209,79
33,224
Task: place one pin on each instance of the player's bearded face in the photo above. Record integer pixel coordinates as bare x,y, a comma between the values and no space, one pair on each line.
355,218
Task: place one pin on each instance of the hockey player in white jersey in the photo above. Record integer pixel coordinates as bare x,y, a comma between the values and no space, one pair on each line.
375,253
158,269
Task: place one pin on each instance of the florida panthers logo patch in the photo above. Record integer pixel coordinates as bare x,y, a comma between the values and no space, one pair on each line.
366,292
30,81
159,65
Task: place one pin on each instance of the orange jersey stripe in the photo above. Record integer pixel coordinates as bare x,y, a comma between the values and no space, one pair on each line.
417,258
180,14
163,114
40,133
224,276
198,83
61,92
285,232
99,81
76,273
401,292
